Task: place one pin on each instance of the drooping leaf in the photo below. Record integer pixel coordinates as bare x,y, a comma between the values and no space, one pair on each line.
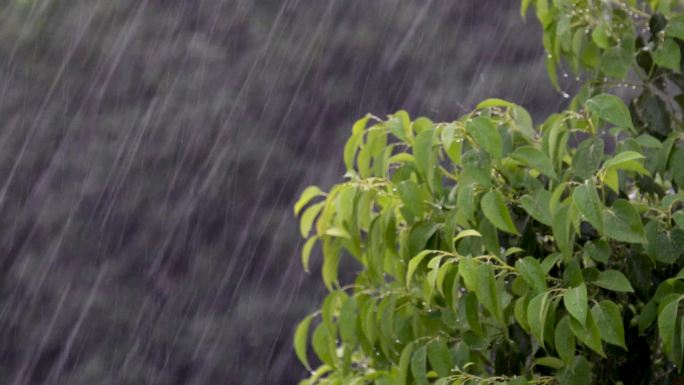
613,280
564,340
419,366
669,330
537,311
609,321
588,333
494,207
301,338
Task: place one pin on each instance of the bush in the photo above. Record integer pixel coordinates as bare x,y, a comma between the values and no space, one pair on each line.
493,251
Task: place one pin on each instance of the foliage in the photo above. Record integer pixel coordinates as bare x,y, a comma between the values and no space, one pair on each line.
493,251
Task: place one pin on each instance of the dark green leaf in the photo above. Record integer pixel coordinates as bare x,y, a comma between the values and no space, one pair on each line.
564,340
588,334
418,366
439,357
609,321
577,373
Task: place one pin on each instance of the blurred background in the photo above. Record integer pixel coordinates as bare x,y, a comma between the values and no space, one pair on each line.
151,151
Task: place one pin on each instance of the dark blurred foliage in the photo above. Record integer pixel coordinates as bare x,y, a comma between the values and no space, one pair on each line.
151,151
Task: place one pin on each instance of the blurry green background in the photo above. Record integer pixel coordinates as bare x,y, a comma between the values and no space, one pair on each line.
151,150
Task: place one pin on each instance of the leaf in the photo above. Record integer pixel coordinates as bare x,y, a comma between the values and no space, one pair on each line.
675,27
405,362
494,102
418,366
323,344
588,157
350,148
300,340
348,321
466,233
485,290
615,62
589,204
599,250
307,219
611,109
537,311
307,195
575,301
564,340
425,157
535,158
494,208
623,223
669,330
533,274
551,362
485,135
537,205
413,264
613,280
439,357
609,321
577,373
588,334
667,55
664,246
563,231
410,195
620,160
306,252
472,312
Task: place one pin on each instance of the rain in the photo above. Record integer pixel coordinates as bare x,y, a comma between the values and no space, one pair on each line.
151,152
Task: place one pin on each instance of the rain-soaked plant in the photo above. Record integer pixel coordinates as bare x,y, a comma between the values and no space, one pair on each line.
494,251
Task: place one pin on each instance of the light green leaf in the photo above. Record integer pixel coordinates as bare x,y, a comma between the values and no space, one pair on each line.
307,219
301,337
621,159
589,204
307,195
485,135
532,273
623,223
467,233
613,280
306,252
494,102
534,158
425,157
550,362
564,340
609,322
575,301
323,344
494,207
611,109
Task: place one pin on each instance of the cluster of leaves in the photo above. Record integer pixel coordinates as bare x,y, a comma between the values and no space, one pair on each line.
494,251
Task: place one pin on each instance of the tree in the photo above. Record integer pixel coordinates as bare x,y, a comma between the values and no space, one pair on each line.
491,251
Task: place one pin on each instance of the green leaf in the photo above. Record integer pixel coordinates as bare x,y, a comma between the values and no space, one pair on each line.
667,55
588,157
575,301
411,197
611,109
551,362
348,321
307,219
534,158
622,159
615,62
623,223
439,357
300,340
494,102
675,27
307,195
669,330
577,373
564,340
405,362
613,280
413,264
486,136
418,366
537,311
306,252
599,250
472,312
425,157
664,246
485,290
609,321
494,207
537,205
588,334
323,344
589,204
532,273
563,231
